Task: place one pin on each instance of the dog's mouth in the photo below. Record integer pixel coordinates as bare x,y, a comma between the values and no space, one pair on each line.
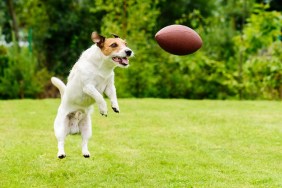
121,60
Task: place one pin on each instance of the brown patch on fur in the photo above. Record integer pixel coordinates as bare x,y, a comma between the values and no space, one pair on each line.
113,45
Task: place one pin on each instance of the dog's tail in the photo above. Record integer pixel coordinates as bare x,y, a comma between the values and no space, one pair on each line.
59,84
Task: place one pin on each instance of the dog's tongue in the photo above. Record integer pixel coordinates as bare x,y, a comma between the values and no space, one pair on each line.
124,60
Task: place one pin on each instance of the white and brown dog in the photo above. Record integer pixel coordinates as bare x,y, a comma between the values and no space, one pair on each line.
91,76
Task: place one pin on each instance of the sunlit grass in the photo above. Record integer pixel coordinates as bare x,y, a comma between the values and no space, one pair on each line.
151,143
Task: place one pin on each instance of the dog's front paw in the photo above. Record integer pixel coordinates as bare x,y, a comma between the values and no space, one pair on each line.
103,109
115,106
106,115
103,113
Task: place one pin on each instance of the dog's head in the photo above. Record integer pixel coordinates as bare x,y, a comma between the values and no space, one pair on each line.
114,48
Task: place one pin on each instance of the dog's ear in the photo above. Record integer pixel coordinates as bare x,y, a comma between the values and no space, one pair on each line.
115,35
98,39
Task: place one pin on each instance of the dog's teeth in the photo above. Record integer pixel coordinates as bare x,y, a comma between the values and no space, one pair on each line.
117,59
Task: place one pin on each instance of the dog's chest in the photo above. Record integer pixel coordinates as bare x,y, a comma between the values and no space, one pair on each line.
100,83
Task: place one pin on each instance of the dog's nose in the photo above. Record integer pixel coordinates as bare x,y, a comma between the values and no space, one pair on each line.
128,52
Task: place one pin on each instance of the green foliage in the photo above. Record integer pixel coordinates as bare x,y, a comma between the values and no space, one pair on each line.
263,74
130,19
19,75
260,49
262,29
195,76
62,30
239,41
184,12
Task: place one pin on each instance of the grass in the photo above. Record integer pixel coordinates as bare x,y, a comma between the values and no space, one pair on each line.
151,143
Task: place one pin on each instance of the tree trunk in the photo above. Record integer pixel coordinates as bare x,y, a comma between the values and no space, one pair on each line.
12,13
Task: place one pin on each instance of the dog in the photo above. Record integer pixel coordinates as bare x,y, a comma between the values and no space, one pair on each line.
91,77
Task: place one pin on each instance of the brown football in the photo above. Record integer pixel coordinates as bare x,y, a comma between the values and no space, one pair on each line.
178,39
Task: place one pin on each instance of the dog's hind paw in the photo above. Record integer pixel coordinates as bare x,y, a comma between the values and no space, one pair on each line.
86,155
61,156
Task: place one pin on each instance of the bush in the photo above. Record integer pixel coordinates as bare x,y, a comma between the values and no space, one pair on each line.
263,74
195,76
19,74
259,50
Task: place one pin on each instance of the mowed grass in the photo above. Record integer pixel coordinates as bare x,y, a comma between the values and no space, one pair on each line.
151,143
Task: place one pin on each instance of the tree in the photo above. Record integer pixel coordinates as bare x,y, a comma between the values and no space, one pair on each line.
12,13
62,29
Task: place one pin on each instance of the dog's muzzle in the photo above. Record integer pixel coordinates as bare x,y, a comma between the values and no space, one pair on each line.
123,60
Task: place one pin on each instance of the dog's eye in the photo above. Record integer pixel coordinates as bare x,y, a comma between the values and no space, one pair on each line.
114,45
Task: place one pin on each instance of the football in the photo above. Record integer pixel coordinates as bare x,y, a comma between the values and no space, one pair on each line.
178,39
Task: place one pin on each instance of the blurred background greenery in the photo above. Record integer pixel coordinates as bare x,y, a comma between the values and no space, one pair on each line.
241,57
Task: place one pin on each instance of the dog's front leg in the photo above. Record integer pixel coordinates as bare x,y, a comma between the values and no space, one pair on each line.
111,93
94,93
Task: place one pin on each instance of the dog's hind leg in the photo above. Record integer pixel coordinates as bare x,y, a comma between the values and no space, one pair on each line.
86,133
60,128
74,119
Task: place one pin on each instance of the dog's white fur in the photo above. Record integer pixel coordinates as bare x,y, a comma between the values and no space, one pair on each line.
91,76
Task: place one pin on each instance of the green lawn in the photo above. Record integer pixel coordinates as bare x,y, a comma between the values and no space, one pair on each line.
151,143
